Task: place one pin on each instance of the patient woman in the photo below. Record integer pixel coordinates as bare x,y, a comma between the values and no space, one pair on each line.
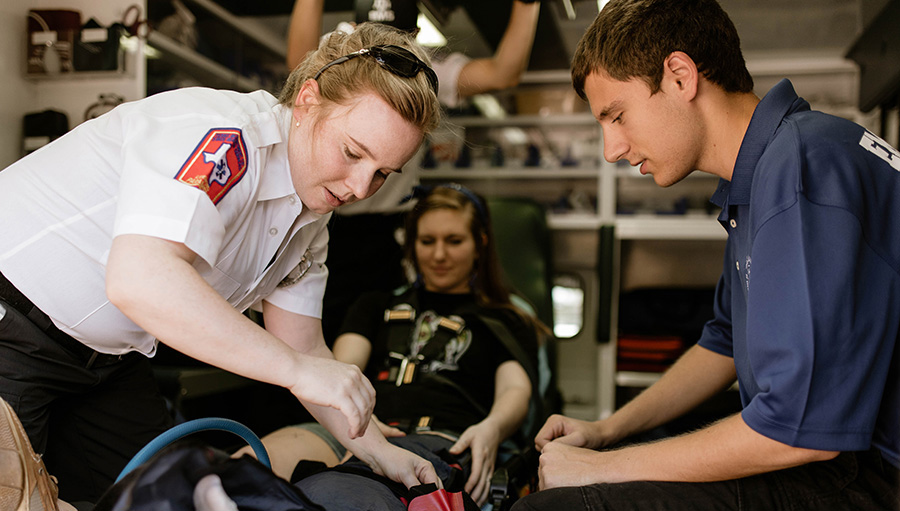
434,353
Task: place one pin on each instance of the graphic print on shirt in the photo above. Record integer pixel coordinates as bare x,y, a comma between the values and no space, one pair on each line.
217,163
747,273
426,327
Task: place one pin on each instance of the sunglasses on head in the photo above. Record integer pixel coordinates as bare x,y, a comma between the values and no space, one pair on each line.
396,59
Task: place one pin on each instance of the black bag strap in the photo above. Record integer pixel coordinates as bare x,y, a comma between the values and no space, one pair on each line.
501,331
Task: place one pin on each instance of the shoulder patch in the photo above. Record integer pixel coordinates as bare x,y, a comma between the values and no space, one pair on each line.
217,163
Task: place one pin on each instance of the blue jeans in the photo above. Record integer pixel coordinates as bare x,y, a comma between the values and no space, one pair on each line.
854,481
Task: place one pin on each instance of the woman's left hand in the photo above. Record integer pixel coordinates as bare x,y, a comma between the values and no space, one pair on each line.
482,440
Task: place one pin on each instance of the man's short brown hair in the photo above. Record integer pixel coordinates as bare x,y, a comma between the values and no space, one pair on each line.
632,38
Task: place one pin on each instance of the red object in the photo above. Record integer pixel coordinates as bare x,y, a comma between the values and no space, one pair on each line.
647,352
438,500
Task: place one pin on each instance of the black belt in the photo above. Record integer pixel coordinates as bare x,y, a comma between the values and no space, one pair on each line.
17,300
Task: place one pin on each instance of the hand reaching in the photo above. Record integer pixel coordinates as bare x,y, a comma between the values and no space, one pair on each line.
482,439
327,382
403,466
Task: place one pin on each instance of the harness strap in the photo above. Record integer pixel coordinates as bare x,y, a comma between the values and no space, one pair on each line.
401,318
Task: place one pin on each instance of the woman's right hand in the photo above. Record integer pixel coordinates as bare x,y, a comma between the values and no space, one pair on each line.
327,382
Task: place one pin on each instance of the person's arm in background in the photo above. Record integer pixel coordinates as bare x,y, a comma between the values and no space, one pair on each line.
304,30
505,68
501,71
353,348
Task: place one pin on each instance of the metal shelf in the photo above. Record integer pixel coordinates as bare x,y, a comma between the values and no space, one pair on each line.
636,378
645,227
584,119
574,221
645,379
207,71
254,31
82,75
511,173
675,227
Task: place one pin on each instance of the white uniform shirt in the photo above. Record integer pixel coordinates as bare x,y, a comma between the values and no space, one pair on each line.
202,167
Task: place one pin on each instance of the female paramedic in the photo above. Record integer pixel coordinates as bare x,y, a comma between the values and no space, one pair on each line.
169,216
451,358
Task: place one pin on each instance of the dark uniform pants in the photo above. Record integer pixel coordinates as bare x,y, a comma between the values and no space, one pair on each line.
86,412
854,481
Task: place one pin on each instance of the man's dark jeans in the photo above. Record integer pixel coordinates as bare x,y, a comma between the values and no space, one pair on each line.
854,481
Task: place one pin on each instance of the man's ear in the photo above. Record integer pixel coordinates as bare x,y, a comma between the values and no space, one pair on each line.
307,97
680,71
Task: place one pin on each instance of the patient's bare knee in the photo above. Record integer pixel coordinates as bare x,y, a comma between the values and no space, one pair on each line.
289,445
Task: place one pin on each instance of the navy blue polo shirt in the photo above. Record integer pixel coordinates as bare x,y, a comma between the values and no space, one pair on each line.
808,304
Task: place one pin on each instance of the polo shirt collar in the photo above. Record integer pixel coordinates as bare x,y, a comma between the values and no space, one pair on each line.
780,102
275,179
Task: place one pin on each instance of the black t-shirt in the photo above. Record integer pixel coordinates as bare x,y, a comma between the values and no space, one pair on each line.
469,360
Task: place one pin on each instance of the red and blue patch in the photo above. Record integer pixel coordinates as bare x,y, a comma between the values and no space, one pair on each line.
217,163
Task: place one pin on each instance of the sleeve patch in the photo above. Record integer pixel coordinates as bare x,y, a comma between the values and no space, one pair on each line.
217,163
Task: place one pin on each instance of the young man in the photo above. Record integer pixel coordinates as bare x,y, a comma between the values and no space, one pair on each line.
810,203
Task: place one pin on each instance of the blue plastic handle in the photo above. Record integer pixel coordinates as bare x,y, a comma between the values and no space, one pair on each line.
189,427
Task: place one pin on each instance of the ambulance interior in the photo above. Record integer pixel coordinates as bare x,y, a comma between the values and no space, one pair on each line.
629,268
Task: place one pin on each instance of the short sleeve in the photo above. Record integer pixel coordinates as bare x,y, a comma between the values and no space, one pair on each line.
155,196
716,335
448,70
